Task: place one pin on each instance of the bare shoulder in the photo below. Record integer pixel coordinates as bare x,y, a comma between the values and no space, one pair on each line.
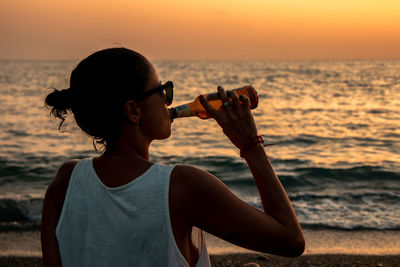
198,189
64,174
193,178
182,169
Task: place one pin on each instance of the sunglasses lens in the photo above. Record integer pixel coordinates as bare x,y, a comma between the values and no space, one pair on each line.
169,92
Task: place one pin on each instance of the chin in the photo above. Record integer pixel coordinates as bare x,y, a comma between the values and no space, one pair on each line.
164,134
168,134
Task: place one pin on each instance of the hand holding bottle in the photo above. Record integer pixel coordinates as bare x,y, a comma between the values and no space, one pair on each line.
235,118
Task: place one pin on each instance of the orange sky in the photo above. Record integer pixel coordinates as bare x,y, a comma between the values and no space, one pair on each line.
202,30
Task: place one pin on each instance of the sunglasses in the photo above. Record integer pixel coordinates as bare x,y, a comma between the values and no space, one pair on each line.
169,92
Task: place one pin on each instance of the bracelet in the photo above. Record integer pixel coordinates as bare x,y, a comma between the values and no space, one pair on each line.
256,140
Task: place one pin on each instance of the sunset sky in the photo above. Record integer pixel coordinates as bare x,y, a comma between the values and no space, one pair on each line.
202,30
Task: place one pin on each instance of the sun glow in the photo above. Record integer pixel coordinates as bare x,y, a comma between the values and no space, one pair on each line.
178,29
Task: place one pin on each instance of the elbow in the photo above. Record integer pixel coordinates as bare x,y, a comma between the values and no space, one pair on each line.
289,247
297,247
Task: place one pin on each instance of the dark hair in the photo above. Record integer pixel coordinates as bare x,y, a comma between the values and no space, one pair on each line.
100,85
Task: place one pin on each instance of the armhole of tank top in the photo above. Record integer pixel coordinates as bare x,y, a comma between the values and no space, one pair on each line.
67,194
169,225
204,258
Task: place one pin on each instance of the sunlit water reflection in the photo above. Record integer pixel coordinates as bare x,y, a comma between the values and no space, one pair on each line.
335,126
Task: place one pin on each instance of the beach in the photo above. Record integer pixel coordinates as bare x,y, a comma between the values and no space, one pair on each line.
323,248
263,260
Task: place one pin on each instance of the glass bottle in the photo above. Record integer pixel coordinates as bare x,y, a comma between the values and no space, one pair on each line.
195,108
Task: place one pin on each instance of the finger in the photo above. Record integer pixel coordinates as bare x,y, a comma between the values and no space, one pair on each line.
222,95
246,102
235,100
210,110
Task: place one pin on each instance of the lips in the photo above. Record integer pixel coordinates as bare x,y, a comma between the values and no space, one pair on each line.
171,115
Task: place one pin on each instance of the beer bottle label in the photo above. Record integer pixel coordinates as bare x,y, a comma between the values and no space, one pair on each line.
184,111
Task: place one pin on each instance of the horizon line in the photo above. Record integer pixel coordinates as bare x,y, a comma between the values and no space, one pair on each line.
220,60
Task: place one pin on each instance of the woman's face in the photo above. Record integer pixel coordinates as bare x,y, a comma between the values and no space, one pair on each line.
155,120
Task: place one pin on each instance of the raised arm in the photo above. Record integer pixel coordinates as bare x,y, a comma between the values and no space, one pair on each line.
214,208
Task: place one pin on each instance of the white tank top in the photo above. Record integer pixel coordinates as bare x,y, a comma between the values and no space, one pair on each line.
121,226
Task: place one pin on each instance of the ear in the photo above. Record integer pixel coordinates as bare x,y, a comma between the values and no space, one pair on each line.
132,111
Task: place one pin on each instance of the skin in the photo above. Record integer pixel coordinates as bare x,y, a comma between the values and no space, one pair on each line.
221,213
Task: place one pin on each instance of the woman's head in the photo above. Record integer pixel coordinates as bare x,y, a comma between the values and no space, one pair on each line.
100,86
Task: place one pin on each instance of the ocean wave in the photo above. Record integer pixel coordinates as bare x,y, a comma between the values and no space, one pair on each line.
348,227
355,198
13,171
358,173
17,210
292,172
347,210
309,139
19,226
29,167
351,197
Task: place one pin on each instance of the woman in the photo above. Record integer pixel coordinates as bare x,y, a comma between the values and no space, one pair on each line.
121,209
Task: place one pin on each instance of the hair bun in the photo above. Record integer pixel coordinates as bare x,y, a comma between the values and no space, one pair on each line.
61,100
60,103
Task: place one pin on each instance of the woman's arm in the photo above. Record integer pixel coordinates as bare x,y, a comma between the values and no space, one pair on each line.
51,254
211,206
52,206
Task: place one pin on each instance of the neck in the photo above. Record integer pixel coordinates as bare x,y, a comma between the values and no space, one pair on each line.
123,151
128,146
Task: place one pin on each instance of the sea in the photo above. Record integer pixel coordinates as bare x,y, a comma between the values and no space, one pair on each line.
335,126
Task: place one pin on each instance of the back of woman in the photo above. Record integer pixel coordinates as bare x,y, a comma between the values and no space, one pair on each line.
121,220
121,209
